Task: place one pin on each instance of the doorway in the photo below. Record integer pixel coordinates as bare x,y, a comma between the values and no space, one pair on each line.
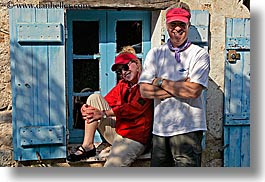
94,38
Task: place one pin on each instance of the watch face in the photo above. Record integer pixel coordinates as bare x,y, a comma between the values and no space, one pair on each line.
104,114
159,82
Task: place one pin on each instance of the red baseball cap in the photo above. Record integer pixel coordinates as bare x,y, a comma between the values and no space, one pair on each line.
123,58
178,14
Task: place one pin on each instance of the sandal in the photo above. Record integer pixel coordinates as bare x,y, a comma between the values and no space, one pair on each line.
84,154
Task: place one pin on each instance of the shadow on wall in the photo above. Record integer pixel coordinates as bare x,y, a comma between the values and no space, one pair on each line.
213,153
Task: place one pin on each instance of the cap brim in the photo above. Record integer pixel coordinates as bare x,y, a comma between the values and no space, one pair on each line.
185,20
121,59
114,67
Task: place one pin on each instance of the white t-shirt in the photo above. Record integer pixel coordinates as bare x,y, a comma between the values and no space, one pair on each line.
173,116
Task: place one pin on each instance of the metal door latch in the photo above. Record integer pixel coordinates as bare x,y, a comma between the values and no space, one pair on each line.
232,56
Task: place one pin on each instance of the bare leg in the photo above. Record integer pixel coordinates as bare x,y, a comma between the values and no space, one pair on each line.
97,101
88,141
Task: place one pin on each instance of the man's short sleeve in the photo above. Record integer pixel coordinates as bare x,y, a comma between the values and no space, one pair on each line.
149,68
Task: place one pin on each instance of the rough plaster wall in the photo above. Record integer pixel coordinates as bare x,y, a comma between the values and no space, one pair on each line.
156,28
218,10
5,78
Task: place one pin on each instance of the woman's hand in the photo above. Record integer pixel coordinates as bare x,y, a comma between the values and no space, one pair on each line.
90,114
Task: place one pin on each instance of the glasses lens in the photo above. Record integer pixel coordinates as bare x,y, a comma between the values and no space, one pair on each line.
125,67
178,24
119,71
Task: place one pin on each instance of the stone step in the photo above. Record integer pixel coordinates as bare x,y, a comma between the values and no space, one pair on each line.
102,153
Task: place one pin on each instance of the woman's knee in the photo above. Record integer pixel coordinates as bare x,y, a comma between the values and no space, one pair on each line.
94,96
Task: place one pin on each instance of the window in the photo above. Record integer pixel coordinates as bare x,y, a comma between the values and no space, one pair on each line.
95,37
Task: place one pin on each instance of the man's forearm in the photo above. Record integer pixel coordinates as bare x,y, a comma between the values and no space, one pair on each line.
153,92
182,89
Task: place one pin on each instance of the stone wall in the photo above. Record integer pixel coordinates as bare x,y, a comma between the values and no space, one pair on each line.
5,91
218,10
5,78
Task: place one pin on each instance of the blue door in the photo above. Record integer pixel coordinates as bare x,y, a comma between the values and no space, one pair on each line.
38,83
237,94
94,38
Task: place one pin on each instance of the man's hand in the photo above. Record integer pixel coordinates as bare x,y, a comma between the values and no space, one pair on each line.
183,89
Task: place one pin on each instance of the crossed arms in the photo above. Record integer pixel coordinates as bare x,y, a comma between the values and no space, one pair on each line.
182,89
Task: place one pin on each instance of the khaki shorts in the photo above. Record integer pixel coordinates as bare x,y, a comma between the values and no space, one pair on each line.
124,151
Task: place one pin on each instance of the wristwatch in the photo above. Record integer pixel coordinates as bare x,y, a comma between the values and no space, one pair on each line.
159,82
104,114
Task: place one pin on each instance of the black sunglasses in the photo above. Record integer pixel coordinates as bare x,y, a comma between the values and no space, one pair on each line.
124,67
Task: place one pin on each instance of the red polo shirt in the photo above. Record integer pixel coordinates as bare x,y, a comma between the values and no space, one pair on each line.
134,114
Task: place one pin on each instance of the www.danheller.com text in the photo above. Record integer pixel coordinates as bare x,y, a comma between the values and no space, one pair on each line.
54,5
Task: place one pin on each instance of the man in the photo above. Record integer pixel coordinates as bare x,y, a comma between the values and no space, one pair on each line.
175,75
123,117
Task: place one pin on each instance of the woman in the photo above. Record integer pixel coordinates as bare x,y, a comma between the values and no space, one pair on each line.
122,117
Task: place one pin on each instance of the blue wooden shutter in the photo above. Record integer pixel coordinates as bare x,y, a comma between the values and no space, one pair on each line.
38,83
237,94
